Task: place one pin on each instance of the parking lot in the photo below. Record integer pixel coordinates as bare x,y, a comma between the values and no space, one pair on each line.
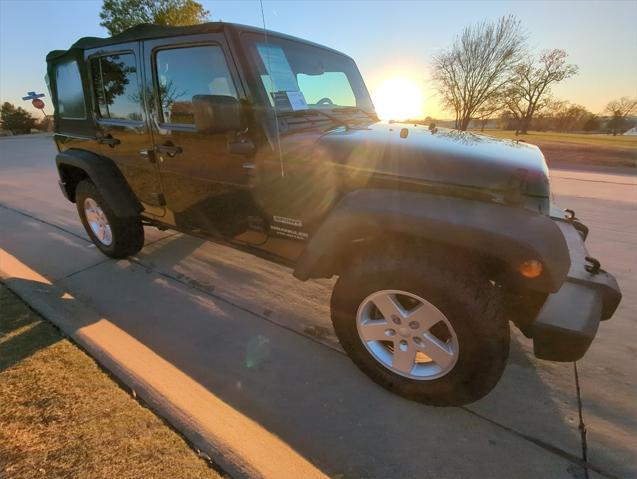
219,340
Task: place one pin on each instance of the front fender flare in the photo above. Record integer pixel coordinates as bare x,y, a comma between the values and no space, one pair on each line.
508,233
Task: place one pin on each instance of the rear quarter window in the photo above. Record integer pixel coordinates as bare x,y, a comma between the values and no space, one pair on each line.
69,91
116,87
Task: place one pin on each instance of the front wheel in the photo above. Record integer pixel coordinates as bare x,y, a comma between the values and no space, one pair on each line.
114,236
429,333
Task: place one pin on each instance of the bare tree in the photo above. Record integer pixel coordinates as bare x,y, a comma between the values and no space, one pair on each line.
620,110
478,66
532,83
566,116
488,110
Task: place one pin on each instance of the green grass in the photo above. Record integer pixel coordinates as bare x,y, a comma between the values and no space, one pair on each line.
62,416
588,139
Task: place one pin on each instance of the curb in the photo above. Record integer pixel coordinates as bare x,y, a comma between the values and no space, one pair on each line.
240,447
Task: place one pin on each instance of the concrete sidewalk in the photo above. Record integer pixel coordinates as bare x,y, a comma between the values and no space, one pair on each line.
242,359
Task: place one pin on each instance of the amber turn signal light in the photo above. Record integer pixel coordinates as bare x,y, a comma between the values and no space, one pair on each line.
531,268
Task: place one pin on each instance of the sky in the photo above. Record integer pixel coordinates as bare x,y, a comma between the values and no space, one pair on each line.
392,41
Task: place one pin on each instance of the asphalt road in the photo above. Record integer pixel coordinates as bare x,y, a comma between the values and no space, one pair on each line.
247,332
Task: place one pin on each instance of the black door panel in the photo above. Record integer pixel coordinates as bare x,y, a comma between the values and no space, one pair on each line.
124,135
206,186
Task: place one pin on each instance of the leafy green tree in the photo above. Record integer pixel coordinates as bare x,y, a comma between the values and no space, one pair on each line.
16,120
118,15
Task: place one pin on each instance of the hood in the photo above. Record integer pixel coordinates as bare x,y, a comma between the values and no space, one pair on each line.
443,157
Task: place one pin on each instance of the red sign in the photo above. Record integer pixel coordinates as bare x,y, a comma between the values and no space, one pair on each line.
37,103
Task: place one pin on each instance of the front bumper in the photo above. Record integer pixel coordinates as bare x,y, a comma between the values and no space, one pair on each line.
568,321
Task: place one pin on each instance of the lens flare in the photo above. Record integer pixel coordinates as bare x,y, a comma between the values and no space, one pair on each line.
399,98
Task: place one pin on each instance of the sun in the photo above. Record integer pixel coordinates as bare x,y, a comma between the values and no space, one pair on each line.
398,98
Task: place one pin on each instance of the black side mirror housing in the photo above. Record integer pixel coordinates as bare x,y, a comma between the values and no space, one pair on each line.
216,113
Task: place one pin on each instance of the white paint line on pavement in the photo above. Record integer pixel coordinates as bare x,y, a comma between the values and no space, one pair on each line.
594,181
237,443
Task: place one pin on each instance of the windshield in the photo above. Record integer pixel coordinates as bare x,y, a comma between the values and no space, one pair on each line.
297,76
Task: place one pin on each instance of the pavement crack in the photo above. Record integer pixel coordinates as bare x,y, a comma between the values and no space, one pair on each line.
105,260
546,446
582,425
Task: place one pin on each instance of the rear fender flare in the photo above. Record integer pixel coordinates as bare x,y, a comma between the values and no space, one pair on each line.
105,175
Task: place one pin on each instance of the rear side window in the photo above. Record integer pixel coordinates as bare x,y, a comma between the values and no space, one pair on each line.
70,92
116,87
185,72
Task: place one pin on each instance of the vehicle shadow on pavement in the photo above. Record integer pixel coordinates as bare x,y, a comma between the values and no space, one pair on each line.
263,287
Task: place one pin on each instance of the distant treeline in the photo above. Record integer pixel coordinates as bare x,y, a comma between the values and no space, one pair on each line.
564,118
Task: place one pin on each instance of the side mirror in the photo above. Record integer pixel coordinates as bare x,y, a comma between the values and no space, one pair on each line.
216,113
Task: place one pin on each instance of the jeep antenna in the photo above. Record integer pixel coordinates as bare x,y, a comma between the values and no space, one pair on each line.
271,82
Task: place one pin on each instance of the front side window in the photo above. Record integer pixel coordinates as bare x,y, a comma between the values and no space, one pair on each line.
69,91
183,73
116,87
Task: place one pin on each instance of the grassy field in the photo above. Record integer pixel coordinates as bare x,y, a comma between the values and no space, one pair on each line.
577,148
579,138
61,416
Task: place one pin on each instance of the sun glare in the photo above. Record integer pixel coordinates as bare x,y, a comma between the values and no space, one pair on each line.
398,98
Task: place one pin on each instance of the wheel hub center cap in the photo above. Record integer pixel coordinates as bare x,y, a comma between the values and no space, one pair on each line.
404,332
396,329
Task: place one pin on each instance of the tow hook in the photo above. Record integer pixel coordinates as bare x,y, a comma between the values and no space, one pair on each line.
581,228
594,267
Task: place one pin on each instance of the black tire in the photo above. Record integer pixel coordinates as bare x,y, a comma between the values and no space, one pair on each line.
471,304
127,233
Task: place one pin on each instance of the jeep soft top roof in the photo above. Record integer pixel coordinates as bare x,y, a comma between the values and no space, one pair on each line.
147,31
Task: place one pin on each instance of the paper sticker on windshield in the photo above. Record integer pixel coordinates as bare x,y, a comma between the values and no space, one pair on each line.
278,67
289,100
297,100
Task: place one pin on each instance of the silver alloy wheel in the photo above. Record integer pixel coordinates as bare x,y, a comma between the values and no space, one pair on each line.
98,222
396,328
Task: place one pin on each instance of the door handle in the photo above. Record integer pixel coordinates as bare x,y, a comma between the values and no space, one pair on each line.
108,140
170,149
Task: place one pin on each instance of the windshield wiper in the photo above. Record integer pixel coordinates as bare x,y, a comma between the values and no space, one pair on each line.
333,118
355,108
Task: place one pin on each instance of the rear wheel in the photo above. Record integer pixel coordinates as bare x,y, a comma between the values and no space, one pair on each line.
429,333
115,236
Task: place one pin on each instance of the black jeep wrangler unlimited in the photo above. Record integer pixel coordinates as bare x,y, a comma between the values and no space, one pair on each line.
271,144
